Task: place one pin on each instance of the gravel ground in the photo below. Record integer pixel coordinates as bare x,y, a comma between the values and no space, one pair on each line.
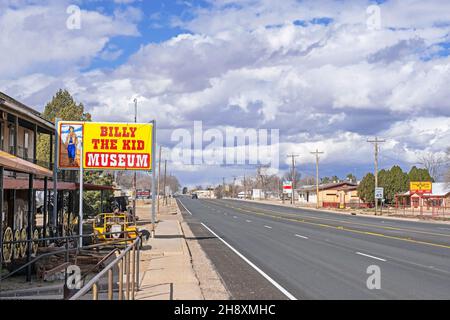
211,284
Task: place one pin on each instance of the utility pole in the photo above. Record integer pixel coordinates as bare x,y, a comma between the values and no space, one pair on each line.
233,194
159,176
165,175
223,187
316,153
245,188
376,142
293,156
134,175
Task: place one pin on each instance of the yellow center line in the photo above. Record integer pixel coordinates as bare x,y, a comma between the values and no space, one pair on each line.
344,228
356,223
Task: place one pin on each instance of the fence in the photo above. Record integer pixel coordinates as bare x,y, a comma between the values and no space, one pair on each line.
127,262
421,211
134,247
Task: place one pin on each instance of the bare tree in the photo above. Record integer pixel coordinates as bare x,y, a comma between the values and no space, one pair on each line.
433,163
447,164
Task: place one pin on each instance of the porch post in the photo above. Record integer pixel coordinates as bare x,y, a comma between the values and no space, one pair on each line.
45,208
1,218
30,224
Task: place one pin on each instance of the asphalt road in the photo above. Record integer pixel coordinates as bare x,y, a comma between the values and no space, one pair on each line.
307,254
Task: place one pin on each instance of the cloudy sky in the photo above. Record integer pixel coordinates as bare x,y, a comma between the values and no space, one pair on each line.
327,74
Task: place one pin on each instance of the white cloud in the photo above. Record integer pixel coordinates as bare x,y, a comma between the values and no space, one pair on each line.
35,37
247,64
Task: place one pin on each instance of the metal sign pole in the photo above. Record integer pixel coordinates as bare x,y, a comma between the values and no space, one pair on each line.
80,211
55,177
153,178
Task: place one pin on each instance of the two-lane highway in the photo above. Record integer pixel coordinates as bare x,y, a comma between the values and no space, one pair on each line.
307,254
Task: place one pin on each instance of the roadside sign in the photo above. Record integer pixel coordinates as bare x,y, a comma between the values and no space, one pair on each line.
117,146
287,187
101,145
420,187
70,140
379,193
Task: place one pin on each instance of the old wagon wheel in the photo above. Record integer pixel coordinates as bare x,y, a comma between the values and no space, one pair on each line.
23,244
35,244
66,221
70,224
47,235
16,246
74,223
7,248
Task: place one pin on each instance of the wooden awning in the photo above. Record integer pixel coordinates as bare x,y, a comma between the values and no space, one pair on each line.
22,184
13,163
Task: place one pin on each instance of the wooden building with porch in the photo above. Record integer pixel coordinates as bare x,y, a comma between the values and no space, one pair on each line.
331,195
22,176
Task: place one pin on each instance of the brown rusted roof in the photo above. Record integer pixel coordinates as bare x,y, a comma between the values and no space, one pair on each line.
13,163
346,186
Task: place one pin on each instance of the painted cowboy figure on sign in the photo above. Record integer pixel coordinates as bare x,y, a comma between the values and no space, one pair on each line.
71,137
71,145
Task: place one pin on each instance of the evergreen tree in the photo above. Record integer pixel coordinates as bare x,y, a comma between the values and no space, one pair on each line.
366,188
325,180
64,107
351,178
91,199
61,106
419,174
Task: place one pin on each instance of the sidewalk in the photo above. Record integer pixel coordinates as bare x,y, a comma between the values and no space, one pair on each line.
167,265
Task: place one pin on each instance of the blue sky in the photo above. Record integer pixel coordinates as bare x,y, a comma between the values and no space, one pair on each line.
154,27
327,74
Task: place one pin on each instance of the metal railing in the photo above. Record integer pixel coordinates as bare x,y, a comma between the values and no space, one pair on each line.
127,263
67,249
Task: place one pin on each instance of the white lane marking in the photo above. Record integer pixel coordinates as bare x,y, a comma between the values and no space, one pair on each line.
265,275
248,220
268,227
368,255
235,217
185,208
444,228
225,213
299,236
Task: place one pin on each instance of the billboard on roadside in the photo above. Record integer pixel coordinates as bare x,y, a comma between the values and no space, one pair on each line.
105,146
420,187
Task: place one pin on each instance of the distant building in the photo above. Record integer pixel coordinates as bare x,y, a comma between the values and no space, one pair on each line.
241,195
205,194
257,194
332,195
439,197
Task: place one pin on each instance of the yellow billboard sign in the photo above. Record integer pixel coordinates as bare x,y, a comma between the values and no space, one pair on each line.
420,186
117,146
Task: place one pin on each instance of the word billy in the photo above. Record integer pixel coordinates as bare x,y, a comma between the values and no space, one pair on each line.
117,132
117,147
